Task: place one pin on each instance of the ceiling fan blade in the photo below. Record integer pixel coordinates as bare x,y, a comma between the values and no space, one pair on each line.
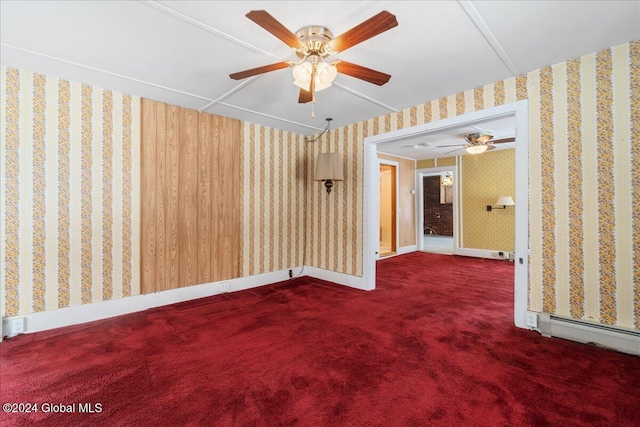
362,73
305,96
272,25
489,148
373,26
503,140
259,70
453,151
452,145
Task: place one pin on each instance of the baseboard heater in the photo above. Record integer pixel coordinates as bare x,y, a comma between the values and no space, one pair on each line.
615,338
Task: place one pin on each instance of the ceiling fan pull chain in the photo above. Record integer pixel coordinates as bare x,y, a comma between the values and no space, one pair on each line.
313,110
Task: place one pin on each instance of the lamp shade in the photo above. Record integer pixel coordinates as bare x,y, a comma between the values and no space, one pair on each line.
505,201
329,167
476,149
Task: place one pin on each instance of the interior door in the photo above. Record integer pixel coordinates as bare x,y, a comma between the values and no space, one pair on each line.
388,230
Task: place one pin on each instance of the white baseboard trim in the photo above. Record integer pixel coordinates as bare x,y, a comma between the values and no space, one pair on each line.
407,249
58,318
480,253
620,339
340,278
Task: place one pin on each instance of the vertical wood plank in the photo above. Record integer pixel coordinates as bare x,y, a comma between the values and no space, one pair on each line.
148,194
205,222
161,197
188,198
171,215
216,226
233,206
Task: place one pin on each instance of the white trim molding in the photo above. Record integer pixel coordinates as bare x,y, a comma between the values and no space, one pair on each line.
58,318
611,337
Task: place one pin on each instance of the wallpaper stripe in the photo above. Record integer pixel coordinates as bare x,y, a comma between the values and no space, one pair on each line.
460,107
478,99
344,203
3,187
51,196
12,193
39,193
58,199
590,186
26,190
510,90
623,192
268,186
118,196
87,206
561,194
606,188
96,196
548,190
634,73
107,196
499,94
64,193
488,100
75,186
575,203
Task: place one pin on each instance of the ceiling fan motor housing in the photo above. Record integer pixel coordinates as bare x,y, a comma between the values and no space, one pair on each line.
316,41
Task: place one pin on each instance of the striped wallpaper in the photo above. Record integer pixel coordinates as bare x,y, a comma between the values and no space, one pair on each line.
70,193
273,200
71,208
584,182
335,220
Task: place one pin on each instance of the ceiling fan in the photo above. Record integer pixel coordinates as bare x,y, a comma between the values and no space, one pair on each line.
312,45
478,142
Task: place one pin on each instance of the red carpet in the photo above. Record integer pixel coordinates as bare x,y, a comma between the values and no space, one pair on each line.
433,345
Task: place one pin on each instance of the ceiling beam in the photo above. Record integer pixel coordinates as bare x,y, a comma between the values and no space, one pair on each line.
477,20
189,20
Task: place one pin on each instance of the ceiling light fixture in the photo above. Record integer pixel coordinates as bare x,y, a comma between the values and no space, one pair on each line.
478,141
476,149
312,74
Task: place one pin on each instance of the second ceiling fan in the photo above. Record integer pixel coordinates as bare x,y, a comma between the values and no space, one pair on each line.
313,44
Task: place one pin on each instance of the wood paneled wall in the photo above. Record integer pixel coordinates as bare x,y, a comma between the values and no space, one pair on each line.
407,207
190,197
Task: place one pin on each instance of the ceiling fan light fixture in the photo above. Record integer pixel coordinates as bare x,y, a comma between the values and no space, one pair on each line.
326,73
476,149
478,137
483,139
302,74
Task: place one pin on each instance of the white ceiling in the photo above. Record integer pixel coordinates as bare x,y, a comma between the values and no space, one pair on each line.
182,52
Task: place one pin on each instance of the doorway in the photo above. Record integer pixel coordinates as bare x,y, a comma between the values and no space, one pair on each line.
437,221
520,111
388,208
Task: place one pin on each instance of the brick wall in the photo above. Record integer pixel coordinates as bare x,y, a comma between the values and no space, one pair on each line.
437,216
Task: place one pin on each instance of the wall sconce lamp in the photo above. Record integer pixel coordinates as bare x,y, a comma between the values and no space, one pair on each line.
328,165
329,169
502,200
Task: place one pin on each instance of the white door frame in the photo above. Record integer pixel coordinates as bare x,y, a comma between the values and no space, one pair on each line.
420,174
519,110
397,193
